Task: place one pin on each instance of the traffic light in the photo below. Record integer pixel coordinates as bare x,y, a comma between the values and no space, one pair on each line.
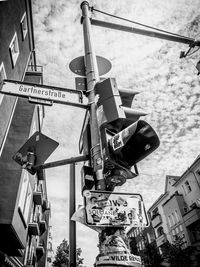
125,140
114,110
130,145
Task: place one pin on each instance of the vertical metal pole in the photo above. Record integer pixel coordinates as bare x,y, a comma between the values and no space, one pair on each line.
72,224
92,76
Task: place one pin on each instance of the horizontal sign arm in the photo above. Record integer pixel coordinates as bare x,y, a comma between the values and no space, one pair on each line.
60,162
174,38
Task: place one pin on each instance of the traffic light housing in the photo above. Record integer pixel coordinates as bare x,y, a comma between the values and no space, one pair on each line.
125,140
114,110
130,145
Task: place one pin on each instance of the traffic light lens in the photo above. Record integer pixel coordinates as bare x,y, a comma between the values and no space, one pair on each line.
138,142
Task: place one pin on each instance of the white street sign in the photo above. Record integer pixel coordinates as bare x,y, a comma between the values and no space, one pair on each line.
114,209
42,92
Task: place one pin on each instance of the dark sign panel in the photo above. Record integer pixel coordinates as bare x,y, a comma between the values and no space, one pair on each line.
115,209
39,146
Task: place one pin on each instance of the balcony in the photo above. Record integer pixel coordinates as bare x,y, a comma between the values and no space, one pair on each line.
33,228
39,251
191,216
45,205
37,197
43,226
161,240
29,263
156,220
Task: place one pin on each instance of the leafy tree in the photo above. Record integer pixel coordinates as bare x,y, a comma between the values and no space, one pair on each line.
62,256
151,256
133,246
176,255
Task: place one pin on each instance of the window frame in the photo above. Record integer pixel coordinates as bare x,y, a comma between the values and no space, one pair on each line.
4,76
188,187
170,220
25,199
24,26
14,49
176,216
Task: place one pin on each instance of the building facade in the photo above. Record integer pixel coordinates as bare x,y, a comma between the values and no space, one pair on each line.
176,213
142,243
24,206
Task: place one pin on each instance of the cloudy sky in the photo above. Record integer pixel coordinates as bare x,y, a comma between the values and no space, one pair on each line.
169,89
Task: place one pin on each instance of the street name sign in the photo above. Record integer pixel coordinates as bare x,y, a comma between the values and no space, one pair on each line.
104,209
43,92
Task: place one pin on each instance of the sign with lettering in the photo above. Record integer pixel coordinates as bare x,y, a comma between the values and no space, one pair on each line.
113,209
119,259
42,92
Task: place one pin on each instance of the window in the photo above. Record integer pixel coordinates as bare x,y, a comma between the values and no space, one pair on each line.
143,244
2,77
160,231
170,221
198,172
176,230
14,50
177,216
184,190
185,208
25,197
188,188
155,213
181,228
24,27
173,218
148,238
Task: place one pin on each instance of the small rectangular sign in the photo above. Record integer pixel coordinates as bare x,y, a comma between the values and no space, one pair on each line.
115,209
45,92
116,259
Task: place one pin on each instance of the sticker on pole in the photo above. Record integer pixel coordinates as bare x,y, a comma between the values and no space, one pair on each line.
113,209
119,259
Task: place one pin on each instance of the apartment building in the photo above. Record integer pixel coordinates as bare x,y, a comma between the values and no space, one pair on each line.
142,236
176,213
141,242
24,206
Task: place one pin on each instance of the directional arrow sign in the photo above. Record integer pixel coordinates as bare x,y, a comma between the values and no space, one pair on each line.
43,92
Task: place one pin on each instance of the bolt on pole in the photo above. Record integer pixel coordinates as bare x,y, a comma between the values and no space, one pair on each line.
92,76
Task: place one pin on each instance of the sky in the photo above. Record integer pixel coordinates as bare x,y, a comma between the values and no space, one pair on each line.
169,89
